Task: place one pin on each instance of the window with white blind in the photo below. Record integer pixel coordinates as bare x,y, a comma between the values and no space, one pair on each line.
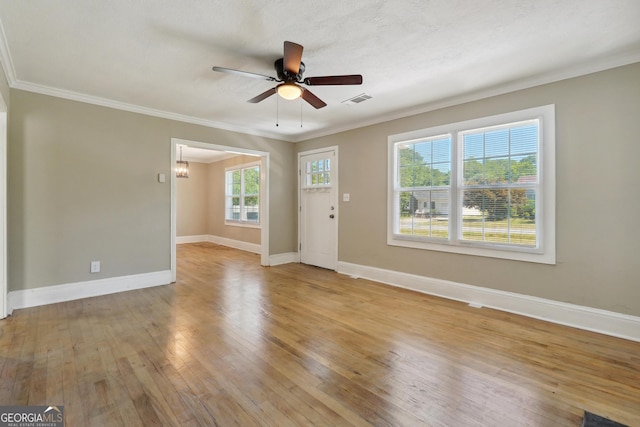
481,187
242,194
423,187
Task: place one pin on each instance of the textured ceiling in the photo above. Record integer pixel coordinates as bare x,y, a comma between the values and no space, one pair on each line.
156,56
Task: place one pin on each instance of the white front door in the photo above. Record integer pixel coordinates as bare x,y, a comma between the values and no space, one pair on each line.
318,221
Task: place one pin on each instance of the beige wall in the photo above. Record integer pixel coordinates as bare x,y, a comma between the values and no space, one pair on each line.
82,186
201,202
192,201
4,87
597,156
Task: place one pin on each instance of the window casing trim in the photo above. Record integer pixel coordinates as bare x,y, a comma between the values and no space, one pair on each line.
545,252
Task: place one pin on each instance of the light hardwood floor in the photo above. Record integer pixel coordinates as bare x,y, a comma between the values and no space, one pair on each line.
233,343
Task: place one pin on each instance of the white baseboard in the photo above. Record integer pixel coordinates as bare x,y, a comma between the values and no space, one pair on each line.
236,244
577,316
277,259
284,258
191,239
73,291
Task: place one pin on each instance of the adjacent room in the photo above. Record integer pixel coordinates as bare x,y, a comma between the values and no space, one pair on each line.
339,213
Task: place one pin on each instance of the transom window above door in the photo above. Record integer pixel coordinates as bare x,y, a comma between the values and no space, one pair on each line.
317,173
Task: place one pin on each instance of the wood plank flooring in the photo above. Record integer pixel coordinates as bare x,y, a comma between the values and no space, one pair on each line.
233,343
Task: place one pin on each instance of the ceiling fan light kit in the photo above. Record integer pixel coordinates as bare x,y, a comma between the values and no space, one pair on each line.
289,71
289,91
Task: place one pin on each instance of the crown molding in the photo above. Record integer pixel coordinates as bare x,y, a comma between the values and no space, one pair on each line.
601,64
105,102
5,58
15,83
614,60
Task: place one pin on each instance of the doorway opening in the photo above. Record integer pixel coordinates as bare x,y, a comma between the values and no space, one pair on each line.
204,152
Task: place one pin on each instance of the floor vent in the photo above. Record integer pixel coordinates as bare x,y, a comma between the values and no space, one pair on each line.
593,420
357,99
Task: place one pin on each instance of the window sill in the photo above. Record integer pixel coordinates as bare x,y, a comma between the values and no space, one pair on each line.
514,254
243,224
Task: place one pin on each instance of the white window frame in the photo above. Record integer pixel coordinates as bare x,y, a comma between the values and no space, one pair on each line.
241,222
544,252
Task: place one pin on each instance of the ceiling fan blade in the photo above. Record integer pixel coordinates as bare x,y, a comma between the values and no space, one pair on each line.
263,95
312,99
352,79
292,57
243,73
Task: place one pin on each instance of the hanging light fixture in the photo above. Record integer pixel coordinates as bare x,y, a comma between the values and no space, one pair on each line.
182,167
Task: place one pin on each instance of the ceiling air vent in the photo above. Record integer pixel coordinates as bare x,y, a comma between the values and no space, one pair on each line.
357,99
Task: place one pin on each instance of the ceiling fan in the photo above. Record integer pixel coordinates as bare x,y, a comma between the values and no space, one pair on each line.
289,71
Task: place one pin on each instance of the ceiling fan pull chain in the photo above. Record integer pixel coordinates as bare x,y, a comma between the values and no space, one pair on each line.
277,112
289,70
300,112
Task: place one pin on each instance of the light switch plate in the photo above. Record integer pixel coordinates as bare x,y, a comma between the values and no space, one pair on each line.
95,266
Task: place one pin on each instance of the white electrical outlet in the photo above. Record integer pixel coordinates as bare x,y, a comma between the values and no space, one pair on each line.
95,266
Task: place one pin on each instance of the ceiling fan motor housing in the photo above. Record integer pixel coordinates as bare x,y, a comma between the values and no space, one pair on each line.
289,70
288,76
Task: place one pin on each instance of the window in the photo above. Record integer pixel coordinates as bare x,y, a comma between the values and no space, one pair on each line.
499,184
481,187
424,175
317,173
243,194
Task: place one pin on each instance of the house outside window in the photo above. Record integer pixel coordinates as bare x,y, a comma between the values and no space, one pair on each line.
423,186
480,187
242,194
